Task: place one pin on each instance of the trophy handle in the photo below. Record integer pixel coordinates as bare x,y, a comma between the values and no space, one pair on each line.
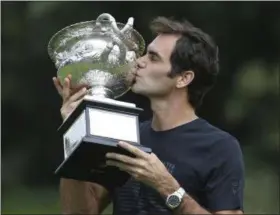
111,19
121,33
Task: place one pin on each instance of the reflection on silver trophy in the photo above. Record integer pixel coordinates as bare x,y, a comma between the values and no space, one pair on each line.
97,53
100,54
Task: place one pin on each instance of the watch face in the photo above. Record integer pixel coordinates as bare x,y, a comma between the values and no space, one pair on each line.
173,201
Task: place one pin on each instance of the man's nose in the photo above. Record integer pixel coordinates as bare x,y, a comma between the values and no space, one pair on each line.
141,63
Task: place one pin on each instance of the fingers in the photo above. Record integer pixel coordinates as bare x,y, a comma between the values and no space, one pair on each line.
133,149
57,85
79,95
123,159
66,89
60,87
76,103
120,165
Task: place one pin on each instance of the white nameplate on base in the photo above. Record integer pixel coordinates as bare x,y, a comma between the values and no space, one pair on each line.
113,125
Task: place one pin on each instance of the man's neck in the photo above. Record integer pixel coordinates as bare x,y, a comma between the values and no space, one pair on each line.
170,113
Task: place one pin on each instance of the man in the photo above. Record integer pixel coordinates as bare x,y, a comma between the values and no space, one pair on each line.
195,168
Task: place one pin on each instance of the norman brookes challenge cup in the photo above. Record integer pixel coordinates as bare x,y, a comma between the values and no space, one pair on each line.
99,54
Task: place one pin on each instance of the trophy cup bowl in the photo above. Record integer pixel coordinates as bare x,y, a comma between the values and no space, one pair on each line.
97,54
100,55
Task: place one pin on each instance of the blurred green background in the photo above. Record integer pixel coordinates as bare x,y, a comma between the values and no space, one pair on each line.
245,101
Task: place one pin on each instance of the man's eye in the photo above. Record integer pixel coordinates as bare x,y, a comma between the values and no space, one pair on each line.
153,57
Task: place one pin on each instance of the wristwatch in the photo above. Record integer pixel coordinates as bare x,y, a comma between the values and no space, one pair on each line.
173,200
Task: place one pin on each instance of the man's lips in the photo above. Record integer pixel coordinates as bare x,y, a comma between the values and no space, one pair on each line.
135,77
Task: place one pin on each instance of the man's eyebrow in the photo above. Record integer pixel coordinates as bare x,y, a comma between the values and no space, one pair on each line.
153,52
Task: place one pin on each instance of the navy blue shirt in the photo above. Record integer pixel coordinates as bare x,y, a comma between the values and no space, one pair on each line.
206,161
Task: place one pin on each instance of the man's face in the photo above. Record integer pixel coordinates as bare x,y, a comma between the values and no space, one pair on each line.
152,73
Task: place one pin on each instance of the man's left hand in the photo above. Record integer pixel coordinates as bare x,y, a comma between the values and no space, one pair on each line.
145,167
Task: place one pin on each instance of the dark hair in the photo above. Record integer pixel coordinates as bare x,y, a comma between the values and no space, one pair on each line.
194,50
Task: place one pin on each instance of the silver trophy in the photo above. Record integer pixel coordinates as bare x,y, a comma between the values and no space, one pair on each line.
101,55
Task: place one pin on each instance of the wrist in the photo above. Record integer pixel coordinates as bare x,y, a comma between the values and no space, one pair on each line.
169,186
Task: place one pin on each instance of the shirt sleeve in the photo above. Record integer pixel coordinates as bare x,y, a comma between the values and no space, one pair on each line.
225,182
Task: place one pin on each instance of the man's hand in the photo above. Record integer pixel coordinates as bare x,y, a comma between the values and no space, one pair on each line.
145,167
148,169
71,97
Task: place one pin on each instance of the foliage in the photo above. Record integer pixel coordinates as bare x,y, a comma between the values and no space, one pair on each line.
244,102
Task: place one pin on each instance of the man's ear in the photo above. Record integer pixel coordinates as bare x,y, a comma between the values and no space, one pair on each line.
185,79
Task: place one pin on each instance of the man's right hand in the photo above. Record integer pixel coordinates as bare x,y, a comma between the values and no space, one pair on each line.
71,97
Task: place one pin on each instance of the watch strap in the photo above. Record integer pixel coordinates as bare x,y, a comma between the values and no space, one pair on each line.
181,192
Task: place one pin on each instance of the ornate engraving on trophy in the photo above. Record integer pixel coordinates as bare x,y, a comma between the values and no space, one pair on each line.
98,53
